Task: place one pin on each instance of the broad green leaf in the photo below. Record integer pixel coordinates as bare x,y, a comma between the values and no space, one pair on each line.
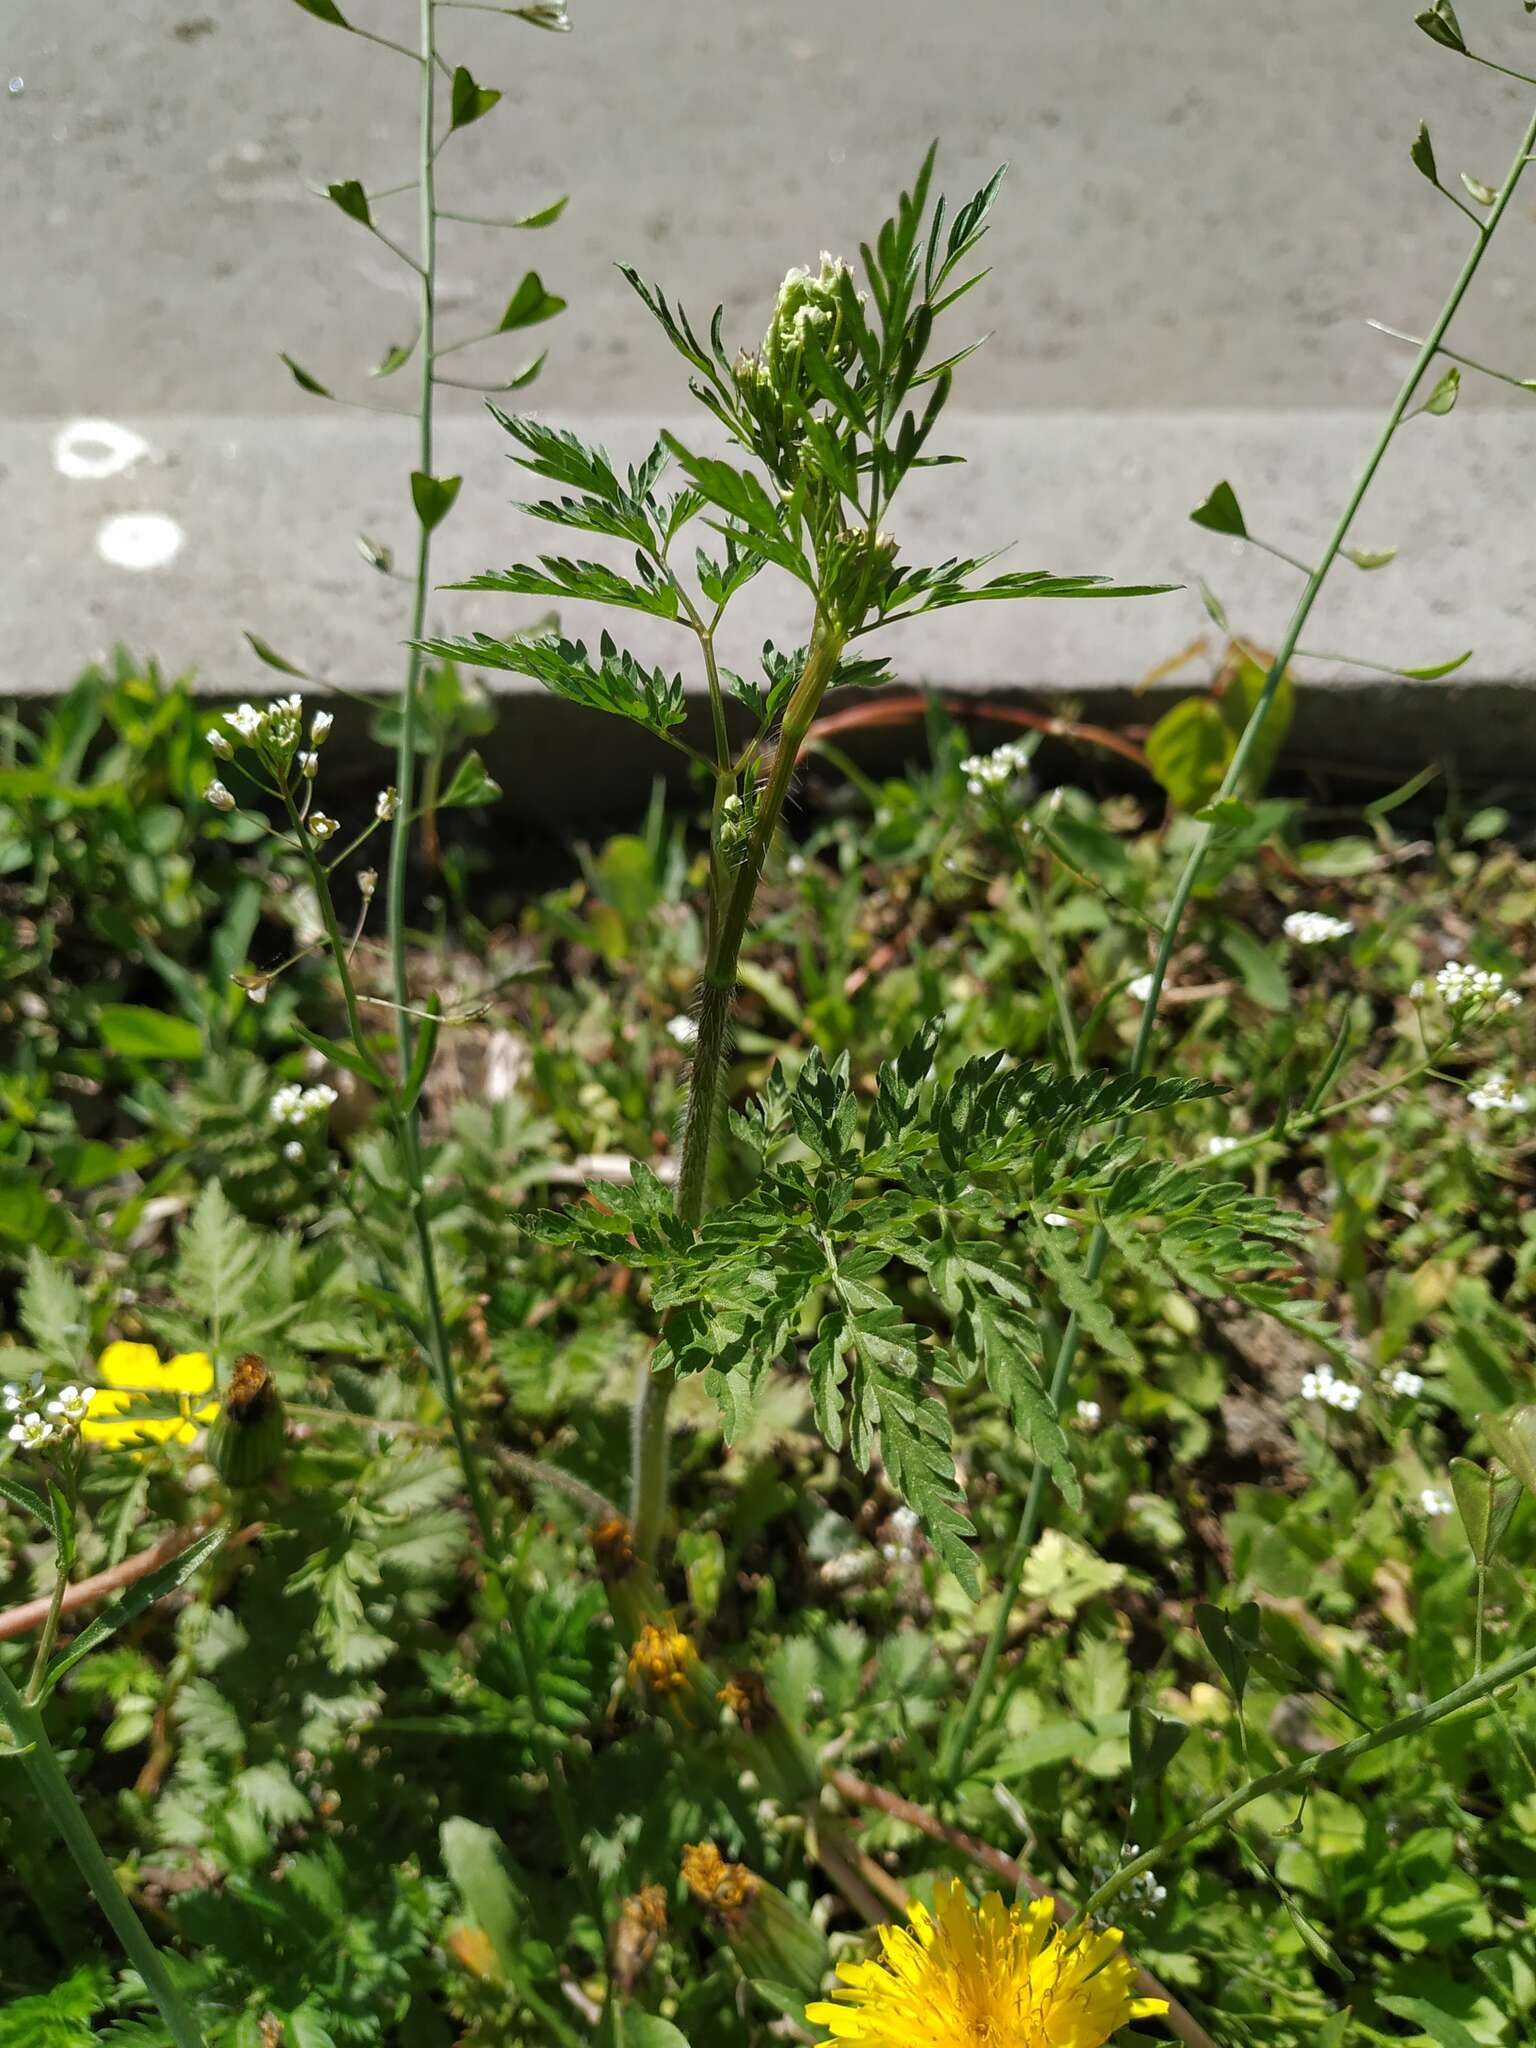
26,1500
1156,1740
1221,513
646,2030
477,1864
1066,1574
1439,23
1263,978
349,195
133,1601
1513,1438
1231,1640
529,304
1188,750
467,101
24,1204
433,497
469,786
1486,1506
345,1054
1440,2027
135,1032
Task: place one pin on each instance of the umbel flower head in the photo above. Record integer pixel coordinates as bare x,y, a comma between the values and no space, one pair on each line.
987,1976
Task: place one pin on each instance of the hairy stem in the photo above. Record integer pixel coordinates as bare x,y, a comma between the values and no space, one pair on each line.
954,1757
62,1807
731,912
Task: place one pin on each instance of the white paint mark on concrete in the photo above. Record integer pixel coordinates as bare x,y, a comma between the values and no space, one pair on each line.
94,449
139,540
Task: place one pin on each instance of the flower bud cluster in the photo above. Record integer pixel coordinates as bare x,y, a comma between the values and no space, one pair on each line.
1315,928
292,1104
1459,985
1324,1385
994,771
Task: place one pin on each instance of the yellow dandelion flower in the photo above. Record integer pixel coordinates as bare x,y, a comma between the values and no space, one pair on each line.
987,1976
132,1369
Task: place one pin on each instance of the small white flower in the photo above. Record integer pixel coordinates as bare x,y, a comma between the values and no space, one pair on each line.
1494,1094
1140,989
322,827
1217,1144
996,770
1089,1414
1409,1384
317,1100
1379,1113
385,804
293,1152
219,797
1325,1386
258,990
220,743
287,1104
1434,1500
248,722
1315,927
683,1030
308,766
1457,985
1054,1220
319,727
367,882
13,1395
32,1432
71,1404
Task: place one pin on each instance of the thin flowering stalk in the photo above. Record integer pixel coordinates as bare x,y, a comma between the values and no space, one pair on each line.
1477,1692
953,1757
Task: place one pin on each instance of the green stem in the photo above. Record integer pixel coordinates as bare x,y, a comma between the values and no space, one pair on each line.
701,1118
62,1807
1475,1692
953,1760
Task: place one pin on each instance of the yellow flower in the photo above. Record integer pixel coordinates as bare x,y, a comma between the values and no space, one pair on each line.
130,1369
662,1660
987,1976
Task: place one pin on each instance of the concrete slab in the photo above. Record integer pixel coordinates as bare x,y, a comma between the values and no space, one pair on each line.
1202,212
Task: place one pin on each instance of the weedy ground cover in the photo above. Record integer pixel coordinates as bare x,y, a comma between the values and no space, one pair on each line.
960,1365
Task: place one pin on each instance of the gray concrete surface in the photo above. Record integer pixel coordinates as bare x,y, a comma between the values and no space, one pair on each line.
1207,201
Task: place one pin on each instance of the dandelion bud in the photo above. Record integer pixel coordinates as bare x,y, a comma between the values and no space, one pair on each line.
220,743
769,1935
386,804
367,882
661,1664
320,726
246,1439
219,797
641,1923
322,827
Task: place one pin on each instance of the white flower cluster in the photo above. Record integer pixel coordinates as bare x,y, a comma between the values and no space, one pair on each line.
1218,1144
1315,928
1434,1501
278,726
1494,1093
1089,1414
32,1428
995,770
1324,1385
1146,1887
1408,1384
1140,989
1458,984
295,1105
